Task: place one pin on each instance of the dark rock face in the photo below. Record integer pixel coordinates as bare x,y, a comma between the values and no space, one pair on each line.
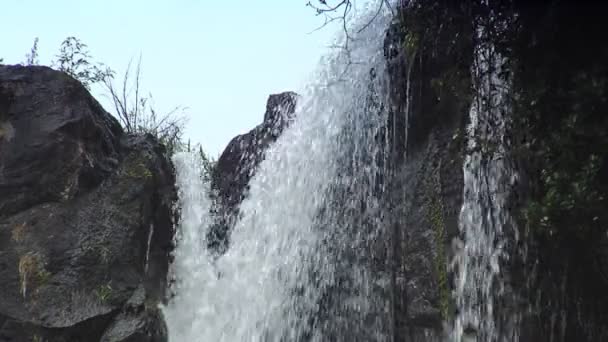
555,277
85,216
238,162
429,92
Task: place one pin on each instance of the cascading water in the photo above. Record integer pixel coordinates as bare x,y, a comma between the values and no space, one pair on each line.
299,265
484,218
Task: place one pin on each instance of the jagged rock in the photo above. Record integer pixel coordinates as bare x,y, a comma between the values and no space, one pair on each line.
85,214
238,162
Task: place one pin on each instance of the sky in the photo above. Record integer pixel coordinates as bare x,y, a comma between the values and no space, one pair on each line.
220,59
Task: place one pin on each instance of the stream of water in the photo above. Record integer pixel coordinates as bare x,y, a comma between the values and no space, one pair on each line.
484,218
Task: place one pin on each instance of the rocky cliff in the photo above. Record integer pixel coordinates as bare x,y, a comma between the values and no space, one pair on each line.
85,216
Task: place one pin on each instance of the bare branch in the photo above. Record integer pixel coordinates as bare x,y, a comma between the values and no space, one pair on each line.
137,112
324,8
364,27
328,20
327,10
340,12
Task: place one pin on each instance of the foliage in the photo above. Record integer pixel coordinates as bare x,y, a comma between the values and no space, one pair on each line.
562,131
569,196
75,60
31,58
208,162
560,137
137,113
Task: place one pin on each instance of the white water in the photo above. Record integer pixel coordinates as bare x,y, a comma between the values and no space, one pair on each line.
484,218
286,251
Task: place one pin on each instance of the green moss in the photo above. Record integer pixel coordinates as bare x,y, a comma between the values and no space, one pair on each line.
104,293
411,44
435,216
136,167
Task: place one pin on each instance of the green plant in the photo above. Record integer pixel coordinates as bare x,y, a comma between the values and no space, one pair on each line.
568,195
31,58
208,164
137,113
411,44
104,292
74,59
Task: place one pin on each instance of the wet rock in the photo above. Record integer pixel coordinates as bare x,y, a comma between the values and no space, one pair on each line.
238,162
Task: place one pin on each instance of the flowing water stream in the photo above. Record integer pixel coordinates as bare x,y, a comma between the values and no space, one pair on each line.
484,217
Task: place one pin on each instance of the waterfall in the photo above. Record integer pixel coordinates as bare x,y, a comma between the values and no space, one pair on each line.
305,257
484,219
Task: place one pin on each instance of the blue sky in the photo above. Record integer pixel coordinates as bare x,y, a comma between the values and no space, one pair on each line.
219,58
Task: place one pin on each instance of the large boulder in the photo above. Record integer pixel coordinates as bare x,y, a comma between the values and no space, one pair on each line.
85,216
239,160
